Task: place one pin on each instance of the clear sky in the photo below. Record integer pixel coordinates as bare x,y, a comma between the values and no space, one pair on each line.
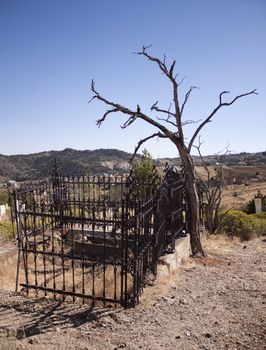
51,49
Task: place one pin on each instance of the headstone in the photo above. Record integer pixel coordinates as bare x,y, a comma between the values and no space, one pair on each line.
258,205
2,211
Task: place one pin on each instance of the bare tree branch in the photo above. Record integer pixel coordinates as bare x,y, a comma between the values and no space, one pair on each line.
161,64
221,94
101,120
164,59
187,122
167,121
157,109
200,143
157,134
129,122
221,104
171,70
133,114
169,74
181,81
186,99
221,155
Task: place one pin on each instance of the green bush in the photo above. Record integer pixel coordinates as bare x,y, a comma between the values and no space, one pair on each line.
146,174
260,216
3,196
260,223
238,223
6,230
250,207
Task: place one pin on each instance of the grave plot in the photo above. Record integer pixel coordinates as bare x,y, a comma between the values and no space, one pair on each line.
95,239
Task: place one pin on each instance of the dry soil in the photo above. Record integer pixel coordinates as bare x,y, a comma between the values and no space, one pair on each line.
217,302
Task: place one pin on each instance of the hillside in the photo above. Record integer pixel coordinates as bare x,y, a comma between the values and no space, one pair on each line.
243,158
72,162
105,161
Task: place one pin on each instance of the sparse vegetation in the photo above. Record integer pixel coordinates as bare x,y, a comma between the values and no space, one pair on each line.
6,231
238,223
243,225
3,196
145,172
250,207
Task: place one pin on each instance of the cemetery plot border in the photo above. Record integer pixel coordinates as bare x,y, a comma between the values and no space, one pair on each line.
95,238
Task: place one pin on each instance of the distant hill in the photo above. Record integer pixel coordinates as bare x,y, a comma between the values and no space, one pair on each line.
100,161
72,162
243,158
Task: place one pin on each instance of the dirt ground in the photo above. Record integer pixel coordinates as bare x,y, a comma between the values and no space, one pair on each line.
237,196
217,302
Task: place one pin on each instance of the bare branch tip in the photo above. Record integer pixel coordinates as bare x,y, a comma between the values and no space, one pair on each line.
98,123
182,80
153,107
144,48
93,97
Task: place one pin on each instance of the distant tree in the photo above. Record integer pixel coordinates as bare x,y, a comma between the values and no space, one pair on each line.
143,168
211,188
146,174
171,126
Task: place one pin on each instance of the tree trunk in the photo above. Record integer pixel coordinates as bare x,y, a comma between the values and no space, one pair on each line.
192,205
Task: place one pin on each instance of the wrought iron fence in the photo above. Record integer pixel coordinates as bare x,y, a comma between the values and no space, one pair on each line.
95,238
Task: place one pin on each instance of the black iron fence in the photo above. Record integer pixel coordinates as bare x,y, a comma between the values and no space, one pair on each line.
95,238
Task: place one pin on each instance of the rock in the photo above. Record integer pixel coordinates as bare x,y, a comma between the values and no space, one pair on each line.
183,301
178,337
187,334
207,335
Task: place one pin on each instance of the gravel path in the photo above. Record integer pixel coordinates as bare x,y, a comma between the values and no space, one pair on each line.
217,302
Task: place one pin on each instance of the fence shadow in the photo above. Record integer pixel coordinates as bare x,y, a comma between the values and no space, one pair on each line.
22,318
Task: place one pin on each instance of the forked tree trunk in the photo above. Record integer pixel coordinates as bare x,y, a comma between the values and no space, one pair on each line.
193,207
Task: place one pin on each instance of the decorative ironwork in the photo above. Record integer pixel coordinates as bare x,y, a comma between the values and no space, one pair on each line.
95,238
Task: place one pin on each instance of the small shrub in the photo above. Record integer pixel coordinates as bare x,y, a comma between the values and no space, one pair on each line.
260,216
260,223
250,207
6,231
238,223
3,196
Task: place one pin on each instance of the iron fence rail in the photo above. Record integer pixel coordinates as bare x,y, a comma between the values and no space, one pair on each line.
95,238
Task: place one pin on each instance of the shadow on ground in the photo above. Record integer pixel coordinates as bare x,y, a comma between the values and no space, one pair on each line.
22,318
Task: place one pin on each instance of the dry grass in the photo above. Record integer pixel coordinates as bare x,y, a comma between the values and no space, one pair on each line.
8,266
237,196
103,280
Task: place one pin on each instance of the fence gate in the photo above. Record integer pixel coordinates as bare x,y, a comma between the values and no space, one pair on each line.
95,238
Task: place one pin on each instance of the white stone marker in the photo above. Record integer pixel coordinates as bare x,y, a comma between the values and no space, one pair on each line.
258,205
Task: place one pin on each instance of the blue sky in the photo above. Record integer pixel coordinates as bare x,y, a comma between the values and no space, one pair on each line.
51,49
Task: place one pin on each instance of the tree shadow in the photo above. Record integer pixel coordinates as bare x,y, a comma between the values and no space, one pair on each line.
22,318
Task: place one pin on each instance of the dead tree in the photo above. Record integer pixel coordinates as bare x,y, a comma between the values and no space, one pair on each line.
211,188
171,126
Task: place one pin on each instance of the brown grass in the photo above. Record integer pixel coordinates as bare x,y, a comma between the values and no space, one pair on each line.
237,196
105,278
